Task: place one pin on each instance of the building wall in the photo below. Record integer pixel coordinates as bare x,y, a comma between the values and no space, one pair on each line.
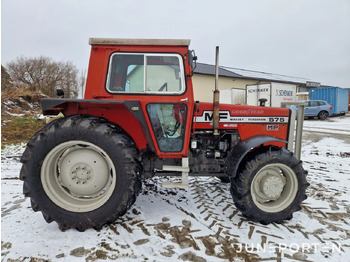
204,85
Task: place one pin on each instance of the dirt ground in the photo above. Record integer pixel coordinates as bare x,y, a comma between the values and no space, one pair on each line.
200,223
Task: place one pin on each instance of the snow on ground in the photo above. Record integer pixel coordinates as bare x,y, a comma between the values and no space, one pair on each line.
200,223
333,125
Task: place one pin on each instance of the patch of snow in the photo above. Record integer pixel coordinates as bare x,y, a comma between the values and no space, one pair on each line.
9,103
14,114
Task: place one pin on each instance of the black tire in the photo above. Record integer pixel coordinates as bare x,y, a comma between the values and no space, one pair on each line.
323,115
270,201
224,179
81,171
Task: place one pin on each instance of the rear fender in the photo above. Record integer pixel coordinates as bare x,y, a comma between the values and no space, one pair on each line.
127,114
241,150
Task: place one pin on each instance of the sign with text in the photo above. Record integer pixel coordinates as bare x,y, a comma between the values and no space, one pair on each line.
313,84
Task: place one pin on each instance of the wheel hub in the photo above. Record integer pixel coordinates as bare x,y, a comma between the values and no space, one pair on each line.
83,172
272,186
268,185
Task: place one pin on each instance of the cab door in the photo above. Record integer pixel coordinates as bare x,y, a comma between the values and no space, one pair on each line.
169,105
168,121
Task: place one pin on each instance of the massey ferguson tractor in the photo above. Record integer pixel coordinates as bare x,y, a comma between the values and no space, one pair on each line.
139,119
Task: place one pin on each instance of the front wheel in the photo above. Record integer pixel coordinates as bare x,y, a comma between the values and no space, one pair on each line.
81,171
271,187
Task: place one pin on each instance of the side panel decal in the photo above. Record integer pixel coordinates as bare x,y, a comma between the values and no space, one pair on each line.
225,117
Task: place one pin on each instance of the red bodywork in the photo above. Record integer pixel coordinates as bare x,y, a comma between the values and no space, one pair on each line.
248,120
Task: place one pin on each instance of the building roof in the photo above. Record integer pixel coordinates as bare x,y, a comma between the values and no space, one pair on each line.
206,69
247,74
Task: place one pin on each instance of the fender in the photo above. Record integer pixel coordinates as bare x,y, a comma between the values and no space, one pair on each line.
127,114
239,152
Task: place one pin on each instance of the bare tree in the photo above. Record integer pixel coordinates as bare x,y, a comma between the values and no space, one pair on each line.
44,75
82,83
6,81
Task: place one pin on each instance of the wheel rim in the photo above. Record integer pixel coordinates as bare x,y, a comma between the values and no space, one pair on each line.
274,187
78,176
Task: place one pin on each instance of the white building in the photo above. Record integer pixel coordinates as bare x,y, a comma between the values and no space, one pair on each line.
235,78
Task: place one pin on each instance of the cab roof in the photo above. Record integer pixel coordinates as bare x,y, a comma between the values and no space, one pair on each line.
130,41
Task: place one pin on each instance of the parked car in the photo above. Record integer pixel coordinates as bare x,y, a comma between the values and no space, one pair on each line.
316,108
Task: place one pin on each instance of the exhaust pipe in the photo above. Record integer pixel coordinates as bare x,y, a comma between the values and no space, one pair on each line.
216,100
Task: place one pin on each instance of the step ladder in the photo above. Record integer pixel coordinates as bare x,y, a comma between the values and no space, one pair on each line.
184,169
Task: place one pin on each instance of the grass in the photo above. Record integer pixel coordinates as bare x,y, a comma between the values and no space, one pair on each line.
19,91
19,101
20,129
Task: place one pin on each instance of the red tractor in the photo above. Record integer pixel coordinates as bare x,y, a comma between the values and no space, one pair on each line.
138,119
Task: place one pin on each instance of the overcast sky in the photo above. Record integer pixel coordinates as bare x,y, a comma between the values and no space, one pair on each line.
303,38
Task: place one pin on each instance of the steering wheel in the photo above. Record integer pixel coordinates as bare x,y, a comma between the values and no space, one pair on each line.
165,85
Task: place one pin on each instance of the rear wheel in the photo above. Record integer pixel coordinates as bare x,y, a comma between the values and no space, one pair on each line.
323,115
271,187
81,171
224,179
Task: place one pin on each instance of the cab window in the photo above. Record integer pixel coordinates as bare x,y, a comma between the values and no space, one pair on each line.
145,73
168,124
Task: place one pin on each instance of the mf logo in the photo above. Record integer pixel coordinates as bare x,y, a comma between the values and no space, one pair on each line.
208,116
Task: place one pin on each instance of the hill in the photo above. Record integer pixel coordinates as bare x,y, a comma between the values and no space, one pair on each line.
21,115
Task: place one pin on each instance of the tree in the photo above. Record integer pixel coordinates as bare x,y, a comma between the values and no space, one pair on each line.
6,82
44,75
81,82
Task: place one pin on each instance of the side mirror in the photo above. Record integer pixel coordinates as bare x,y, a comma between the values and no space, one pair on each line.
60,92
192,60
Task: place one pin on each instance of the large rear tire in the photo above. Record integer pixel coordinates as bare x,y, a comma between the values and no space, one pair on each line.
270,187
81,171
